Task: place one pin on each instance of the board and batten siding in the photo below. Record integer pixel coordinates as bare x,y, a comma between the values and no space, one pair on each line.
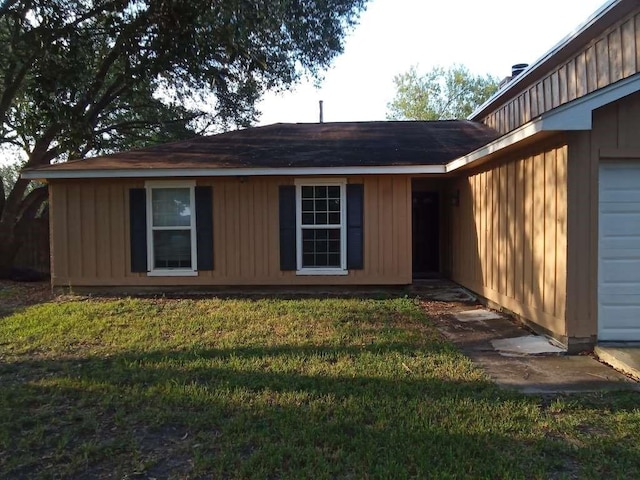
612,56
509,235
614,137
90,234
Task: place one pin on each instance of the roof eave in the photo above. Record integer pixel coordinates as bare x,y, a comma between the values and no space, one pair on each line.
573,116
231,172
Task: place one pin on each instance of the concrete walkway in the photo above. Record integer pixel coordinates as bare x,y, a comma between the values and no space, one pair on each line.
512,356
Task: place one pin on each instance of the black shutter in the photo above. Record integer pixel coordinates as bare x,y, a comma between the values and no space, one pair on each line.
204,227
355,224
138,229
288,257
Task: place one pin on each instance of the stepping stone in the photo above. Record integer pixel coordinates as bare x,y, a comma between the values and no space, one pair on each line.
478,315
527,345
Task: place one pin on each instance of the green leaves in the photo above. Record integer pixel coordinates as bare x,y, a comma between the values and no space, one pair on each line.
439,94
90,72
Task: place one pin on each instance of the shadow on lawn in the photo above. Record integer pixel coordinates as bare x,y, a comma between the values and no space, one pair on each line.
16,296
281,412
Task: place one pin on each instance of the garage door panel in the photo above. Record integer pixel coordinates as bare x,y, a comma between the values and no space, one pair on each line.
618,289
619,251
618,335
622,205
620,271
622,317
621,223
622,252
616,195
622,173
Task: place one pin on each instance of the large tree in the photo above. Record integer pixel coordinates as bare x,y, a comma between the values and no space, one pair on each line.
83,77
439,94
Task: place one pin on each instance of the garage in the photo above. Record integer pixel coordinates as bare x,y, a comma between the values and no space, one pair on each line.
619,251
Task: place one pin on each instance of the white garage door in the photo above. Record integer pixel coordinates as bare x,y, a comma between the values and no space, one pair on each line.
619,252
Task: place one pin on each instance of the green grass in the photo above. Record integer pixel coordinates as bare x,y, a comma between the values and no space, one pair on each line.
269,388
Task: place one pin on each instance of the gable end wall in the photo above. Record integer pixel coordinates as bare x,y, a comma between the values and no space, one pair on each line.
610,57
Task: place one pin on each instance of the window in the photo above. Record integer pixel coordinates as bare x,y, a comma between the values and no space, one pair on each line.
321,232
171,246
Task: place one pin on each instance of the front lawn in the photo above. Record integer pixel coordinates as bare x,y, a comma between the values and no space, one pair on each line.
271,388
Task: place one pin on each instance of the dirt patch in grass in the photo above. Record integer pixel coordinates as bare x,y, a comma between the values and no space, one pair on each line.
15,295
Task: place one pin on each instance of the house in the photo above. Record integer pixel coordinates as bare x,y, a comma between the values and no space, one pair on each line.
533,202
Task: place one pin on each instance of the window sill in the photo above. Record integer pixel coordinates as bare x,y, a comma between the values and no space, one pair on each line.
320,271
172,273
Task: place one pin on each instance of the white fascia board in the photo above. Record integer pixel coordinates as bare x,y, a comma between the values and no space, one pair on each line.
578,114
231,172
501,143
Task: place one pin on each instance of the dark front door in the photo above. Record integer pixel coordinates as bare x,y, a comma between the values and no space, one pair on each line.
426,234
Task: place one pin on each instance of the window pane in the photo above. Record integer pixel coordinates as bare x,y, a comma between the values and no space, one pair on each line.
321,248
321,205
333,192
172,248
321,218
321,192
307,205
171,207
334,259
307,192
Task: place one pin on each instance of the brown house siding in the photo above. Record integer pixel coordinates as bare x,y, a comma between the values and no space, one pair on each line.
614,137
509,235
91,234
612,56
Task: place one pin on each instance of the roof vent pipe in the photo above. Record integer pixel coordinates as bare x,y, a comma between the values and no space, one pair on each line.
518,68
321,116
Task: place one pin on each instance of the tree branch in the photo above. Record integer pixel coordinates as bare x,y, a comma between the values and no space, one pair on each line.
4,9
113,92
2,195
141,124
11,89
32,202
41,153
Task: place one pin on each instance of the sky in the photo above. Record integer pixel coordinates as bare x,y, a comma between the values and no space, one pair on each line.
487,36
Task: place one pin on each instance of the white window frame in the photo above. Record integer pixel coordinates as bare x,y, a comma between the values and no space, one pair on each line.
171,272
335,182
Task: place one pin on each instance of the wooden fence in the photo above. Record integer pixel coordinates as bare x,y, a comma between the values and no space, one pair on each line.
34,250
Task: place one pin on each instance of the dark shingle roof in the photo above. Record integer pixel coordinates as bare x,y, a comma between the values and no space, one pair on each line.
348,144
